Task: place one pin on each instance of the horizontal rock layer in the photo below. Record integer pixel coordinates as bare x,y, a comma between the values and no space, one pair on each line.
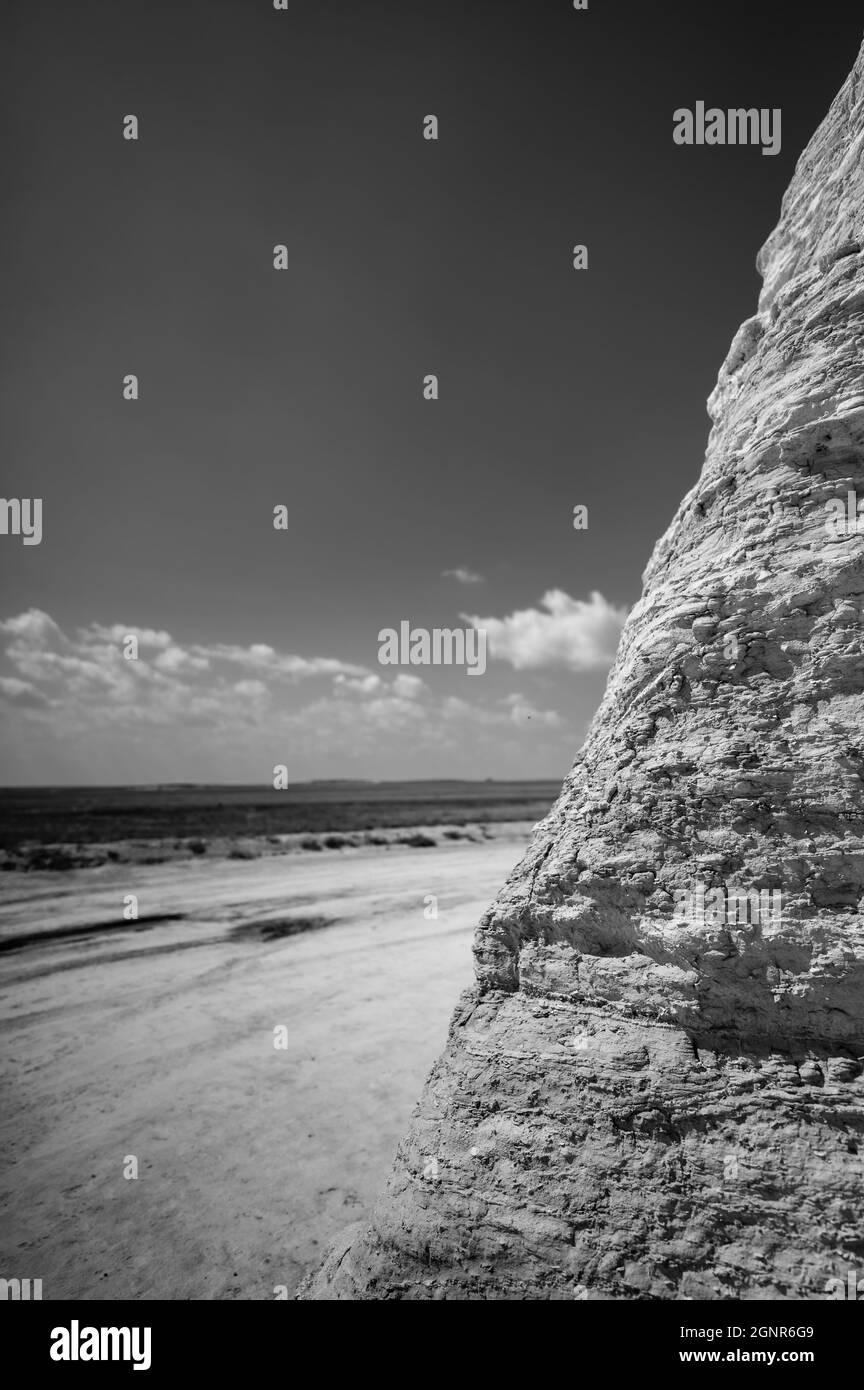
642,1098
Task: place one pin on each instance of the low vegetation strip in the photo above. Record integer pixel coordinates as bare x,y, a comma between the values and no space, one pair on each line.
79,816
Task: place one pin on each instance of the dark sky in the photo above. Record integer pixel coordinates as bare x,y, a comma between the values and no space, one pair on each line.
303,387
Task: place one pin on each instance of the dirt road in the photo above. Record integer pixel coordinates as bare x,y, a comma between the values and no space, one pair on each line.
155,1041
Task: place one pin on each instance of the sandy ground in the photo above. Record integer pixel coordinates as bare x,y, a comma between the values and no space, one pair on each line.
156,1040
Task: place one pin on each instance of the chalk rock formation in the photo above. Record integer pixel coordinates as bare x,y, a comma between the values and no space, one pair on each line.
652,1091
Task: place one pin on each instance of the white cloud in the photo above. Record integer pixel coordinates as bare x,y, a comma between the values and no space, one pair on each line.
512,709
147,637
89,678
464,575
260,657
522,711
255,690
33,626
404,686
409,687
75,701
573,633
21,692
363,685
174,659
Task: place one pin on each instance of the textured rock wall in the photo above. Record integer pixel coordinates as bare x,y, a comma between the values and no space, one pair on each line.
638,1099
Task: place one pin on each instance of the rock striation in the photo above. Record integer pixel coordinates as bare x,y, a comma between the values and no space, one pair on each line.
654,1090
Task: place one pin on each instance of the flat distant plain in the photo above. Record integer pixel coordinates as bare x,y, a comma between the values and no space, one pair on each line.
32,819
155,1038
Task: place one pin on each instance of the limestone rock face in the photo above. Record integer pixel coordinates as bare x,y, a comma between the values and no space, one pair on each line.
654,1090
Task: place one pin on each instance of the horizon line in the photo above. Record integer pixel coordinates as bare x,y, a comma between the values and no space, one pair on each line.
267,786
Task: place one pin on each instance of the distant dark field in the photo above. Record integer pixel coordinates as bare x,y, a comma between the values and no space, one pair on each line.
99,815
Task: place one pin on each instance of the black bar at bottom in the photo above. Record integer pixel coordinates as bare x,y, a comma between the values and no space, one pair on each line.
639,1338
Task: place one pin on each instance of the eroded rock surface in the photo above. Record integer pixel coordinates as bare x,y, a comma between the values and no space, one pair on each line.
641,1098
